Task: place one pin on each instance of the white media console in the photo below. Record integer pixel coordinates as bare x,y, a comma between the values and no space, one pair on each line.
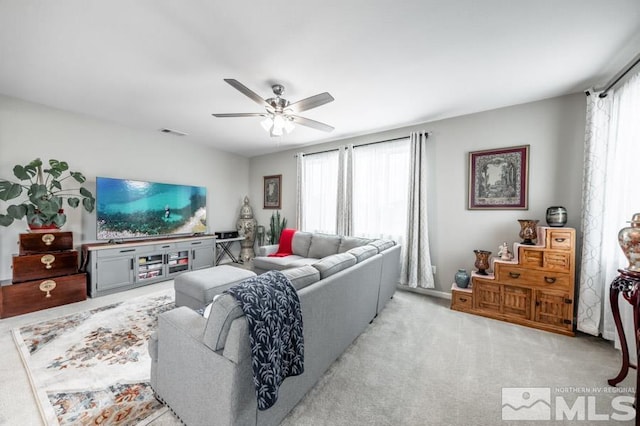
117,267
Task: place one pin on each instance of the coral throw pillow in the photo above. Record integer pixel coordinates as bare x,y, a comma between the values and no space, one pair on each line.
284,247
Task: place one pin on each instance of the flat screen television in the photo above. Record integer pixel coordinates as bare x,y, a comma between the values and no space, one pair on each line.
127,209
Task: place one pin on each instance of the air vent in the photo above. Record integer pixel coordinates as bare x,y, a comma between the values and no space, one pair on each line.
174,132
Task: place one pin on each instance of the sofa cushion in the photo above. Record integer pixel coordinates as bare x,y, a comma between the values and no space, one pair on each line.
334,263
347,243
302,276
382,245
300,243
224,310
277,263
323,245
363,252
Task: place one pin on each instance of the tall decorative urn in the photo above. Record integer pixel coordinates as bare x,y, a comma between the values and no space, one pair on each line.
629,239
246,226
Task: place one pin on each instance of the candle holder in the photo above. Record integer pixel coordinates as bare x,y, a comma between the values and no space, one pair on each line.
482,261
528,230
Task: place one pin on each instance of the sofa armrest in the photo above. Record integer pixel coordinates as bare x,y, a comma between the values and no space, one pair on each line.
188,373
267,250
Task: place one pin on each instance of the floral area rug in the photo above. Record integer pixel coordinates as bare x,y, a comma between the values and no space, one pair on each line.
93,367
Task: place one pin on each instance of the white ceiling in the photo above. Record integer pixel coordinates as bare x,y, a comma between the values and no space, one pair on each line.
153,64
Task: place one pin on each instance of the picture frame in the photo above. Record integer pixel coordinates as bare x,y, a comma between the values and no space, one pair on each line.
273,192
499,179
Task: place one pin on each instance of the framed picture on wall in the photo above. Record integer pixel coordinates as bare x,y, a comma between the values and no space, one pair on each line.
272,192
498,178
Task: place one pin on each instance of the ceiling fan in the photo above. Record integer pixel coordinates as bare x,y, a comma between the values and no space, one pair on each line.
280,114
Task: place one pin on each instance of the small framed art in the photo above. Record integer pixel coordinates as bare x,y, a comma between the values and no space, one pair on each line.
498,178
272,192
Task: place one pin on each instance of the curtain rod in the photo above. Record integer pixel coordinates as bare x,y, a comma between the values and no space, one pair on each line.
362,144
619,77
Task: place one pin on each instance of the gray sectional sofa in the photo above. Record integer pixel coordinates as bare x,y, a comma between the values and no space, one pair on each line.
201,367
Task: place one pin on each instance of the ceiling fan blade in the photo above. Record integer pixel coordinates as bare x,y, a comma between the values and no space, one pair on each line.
241,114
310,123
311,102
246,91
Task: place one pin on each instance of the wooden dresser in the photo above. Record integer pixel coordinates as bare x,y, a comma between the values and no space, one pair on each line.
45,274
536,289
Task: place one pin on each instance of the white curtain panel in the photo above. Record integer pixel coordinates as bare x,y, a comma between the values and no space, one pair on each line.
380,177
299,187
610,197
345,191
416,257
320,192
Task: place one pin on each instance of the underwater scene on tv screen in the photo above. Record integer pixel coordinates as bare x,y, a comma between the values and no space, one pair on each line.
134,209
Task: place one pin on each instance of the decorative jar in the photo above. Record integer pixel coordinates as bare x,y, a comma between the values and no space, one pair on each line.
528,230
556,216
462,278
482,261
246,227
629,239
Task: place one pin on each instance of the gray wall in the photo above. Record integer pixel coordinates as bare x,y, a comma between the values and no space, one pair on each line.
98,148
554,129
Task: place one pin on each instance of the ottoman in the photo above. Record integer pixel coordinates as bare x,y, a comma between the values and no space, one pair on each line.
196,289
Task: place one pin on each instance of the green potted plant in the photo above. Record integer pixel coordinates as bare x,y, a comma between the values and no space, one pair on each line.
45,194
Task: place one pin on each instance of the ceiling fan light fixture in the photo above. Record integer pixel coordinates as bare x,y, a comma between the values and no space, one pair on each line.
288,125
267,124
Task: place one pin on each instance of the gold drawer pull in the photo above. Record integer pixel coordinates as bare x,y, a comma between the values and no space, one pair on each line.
514,275
550,280
560,240
47,239
48,259
47,286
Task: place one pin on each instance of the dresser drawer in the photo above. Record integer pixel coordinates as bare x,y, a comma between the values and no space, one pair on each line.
39,242
559,239
461,300
533,277
35,295
557,261
36,266
531,258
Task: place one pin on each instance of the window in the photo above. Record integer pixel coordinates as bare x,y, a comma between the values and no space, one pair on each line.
379,190
319,192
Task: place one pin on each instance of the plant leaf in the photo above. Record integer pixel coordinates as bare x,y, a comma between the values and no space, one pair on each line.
73,201
56,184
59,219
5,220
78,177
85,192
9,190
25,172
37,191
89,204
17,211
55,172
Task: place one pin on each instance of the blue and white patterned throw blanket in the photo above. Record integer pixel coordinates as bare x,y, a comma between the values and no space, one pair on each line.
272,308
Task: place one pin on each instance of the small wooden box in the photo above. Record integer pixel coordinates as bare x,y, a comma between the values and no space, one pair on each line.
31,296
44,265
38,242
461,298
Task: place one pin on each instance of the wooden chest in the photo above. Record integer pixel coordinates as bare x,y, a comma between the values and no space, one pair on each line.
44,265
45,242
31,296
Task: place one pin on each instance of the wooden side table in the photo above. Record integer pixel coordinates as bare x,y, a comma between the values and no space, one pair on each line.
627,283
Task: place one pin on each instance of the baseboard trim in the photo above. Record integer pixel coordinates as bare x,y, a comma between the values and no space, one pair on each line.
426,291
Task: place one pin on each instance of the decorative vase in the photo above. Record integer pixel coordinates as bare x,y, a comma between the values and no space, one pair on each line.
461,278
528,230
246,226
556,216
629,239
482,261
